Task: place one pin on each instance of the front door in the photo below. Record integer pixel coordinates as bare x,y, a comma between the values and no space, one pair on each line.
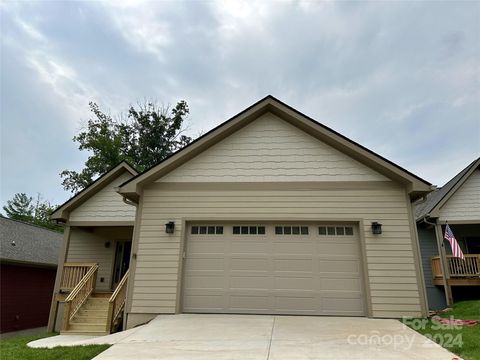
122,260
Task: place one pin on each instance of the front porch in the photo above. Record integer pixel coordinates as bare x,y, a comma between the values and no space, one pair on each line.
92,283
460,272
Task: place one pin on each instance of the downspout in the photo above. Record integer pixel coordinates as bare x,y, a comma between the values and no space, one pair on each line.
441,252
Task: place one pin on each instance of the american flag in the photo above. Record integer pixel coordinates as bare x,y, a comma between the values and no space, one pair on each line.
456,250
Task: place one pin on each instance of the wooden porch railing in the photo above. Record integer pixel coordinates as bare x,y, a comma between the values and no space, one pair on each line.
458,268
79,295
73,273
116,302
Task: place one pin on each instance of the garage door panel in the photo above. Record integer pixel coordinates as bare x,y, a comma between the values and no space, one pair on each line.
297,264
250,282
248,302
342,304
299,303
273,273
249,247
258,263
352,284
337,249
293,283
206,263
204,302
204,281
339,266
207,247
294,248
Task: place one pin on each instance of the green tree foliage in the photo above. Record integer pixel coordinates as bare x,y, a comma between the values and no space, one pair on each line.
24,208
144,136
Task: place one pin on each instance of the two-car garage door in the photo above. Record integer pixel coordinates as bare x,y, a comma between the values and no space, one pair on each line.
264,268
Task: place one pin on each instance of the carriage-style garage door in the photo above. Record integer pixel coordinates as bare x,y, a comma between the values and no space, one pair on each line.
264,268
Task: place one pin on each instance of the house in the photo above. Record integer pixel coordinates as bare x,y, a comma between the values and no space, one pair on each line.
269,213
28,263
458,203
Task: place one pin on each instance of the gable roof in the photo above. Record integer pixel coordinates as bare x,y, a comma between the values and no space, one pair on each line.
415,184
61,213
29,244
437,198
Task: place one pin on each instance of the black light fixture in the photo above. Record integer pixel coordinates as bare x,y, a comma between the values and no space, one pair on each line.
376,228
170,227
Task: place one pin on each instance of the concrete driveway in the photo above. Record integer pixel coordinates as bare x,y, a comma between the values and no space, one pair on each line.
213,337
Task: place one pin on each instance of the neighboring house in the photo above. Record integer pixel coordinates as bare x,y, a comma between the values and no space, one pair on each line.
269,213
28,257
458,203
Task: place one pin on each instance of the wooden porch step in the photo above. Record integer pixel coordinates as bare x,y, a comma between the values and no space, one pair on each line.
74,326
92,312
90,319
78,332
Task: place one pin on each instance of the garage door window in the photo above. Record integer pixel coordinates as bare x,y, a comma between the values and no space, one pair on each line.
335,230
207,229
291,230
248,230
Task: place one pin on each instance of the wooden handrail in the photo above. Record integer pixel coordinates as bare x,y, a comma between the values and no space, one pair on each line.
458,268
73,272
116,302
79,295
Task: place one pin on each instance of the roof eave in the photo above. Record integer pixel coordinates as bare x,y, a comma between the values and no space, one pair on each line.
415,185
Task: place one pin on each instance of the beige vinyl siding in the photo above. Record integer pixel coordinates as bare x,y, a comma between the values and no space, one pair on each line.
270,149
390,257
465,202
89,247
106,205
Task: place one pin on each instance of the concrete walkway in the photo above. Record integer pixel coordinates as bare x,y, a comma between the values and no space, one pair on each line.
222,337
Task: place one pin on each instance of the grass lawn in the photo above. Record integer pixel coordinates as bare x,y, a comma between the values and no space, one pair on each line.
16,348
463,341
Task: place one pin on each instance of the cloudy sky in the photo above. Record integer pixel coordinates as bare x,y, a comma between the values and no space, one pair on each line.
401,78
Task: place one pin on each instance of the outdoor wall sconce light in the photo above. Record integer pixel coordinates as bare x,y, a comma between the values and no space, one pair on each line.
170,227
107,244
376,228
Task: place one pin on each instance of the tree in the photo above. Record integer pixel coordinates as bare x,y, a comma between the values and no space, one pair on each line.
20,207
144,136
23,208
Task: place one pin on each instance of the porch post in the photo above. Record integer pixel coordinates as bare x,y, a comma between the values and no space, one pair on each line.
58,278
443,264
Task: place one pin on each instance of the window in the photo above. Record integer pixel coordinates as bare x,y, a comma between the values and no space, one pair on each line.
291,230
210,230
335,230
249,230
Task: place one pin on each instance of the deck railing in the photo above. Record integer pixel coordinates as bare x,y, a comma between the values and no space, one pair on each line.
73,273
79,295
116,302
458,268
